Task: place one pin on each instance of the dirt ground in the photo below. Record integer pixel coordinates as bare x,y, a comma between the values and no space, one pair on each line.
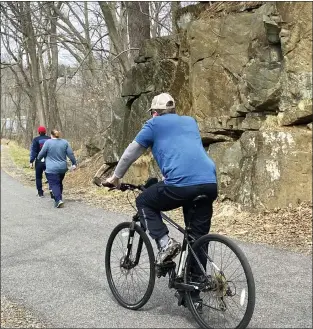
289,228
14,315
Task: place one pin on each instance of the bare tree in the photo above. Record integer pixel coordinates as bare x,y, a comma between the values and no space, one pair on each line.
101,39
138,23
22,11
33,42
175,6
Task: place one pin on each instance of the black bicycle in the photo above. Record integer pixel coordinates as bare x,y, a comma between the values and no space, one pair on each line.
212,268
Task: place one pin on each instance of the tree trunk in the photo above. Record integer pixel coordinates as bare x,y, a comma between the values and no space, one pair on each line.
175,6
30,42
110,21
123,24
138,24
54,116
154,10
90,58
44,83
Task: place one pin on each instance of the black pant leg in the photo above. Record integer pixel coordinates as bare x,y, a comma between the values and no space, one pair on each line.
61,183
161,197
54,183
39,169
199,219
151,202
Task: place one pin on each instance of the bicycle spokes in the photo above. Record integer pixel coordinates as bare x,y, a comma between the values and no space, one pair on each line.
224,290
130,266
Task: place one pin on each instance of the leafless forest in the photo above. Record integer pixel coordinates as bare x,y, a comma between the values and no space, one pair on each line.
63,63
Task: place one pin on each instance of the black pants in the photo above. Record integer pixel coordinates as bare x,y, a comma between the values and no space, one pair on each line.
56,185
160,197
40,167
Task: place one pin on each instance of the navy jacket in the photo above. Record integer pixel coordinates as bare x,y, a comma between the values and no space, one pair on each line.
36,146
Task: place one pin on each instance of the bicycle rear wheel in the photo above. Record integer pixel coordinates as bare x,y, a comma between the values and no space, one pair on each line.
131,279
227,292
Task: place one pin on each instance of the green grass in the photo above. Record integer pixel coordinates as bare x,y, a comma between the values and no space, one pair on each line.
20,156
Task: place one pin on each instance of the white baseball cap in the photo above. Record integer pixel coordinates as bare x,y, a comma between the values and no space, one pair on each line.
162,101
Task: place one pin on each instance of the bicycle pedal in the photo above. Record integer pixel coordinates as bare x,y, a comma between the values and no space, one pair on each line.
160,271
164,268
169,264
181,298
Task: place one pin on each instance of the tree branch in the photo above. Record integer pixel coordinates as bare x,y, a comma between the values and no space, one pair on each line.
122,52
154,19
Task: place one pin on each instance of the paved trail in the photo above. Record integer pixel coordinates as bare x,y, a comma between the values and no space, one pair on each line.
52,262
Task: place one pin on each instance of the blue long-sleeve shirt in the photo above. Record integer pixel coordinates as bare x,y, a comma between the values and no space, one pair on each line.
55,152
36,146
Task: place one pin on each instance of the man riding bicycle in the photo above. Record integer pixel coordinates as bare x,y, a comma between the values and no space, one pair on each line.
187,169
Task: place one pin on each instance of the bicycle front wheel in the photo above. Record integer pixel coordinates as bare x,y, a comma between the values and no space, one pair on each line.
130,278
226,296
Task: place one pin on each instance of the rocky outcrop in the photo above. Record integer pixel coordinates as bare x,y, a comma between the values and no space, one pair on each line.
265,169
244,71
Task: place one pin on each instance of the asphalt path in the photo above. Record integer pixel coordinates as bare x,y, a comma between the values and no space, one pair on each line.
52,262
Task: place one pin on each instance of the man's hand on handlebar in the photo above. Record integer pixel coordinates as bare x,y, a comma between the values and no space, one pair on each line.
114,181
123,186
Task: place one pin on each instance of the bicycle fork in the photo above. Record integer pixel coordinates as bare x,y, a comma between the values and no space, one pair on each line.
127,263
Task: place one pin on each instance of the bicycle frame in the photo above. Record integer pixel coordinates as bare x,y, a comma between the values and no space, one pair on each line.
187,239
186,247
193,276
187,236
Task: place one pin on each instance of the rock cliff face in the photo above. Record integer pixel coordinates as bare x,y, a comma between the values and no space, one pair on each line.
244,71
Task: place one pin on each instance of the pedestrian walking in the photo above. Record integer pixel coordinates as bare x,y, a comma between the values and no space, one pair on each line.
55,151
40,166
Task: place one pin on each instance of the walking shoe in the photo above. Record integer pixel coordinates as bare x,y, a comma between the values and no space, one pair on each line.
40,195
169,252
59,204
51,194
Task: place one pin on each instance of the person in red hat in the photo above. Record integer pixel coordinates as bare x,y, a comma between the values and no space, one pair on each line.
40,166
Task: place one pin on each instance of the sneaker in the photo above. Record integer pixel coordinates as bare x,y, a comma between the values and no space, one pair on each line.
51,194
169,252
59,204
40,195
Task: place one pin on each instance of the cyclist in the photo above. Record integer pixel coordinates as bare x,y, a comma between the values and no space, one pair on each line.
40,166
187,169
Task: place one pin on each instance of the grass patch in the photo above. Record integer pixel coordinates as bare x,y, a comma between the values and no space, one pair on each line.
20,156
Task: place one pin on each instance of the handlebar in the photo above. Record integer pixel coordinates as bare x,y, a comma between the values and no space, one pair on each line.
123,187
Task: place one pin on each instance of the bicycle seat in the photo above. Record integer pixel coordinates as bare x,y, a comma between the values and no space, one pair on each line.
199,198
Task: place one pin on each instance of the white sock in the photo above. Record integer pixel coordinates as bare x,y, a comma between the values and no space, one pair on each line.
163,241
